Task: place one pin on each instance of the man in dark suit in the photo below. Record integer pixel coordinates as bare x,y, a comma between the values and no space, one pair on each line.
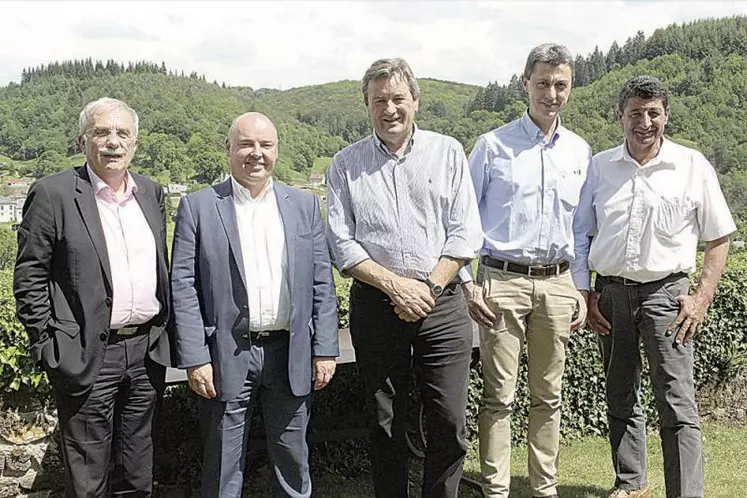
255,311
91,288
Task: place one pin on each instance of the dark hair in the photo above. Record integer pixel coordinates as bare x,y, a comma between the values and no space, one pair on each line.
642,87
549,53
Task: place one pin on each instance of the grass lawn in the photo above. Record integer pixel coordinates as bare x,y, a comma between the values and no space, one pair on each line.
585,470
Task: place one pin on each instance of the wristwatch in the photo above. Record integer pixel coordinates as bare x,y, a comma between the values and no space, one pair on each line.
436,289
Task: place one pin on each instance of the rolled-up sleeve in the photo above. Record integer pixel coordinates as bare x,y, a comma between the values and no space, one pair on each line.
463,229
345,250
714,218
584,227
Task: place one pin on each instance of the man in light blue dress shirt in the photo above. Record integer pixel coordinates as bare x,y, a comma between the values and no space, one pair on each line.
527,177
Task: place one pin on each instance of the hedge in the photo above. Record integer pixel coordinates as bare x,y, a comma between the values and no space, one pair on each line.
720,355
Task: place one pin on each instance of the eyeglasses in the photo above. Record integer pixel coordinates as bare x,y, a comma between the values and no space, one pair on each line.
102,134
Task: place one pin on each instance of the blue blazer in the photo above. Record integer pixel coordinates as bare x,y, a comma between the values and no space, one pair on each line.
211,312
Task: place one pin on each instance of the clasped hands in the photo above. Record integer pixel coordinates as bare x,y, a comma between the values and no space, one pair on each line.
412,299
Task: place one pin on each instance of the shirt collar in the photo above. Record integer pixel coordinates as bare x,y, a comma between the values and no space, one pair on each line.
667,155
243,195
383,148
99,184
535,134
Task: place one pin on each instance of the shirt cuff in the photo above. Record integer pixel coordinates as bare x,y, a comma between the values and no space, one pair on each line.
581,279
349,254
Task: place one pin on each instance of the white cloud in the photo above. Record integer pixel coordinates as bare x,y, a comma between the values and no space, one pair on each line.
288,44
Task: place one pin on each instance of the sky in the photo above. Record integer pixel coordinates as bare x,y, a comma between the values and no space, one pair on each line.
286,44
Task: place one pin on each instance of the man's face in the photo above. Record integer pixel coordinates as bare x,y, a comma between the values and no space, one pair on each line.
391,108
252,151
548,87
643,121
109,141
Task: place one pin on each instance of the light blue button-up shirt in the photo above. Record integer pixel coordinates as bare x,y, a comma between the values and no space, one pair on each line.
527,191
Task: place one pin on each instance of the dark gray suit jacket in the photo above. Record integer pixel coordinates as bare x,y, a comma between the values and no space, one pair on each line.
210,303
62,281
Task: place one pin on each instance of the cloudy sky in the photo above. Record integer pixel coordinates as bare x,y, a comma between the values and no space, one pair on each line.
285,44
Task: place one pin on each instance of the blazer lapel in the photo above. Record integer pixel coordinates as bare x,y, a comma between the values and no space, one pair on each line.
89,213
288,215
152,213
227,214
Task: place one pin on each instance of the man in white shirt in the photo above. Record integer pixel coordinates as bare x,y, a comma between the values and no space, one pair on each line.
255,312
646,203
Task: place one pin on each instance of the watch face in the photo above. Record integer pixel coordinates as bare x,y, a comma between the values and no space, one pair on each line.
438,290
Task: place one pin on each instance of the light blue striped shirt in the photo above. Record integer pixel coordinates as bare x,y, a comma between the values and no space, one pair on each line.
527,191
404,212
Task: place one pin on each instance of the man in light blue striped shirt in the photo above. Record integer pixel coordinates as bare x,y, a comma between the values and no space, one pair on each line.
527,177
402,221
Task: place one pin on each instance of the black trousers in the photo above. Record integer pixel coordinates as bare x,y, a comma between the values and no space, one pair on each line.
107,443
437,350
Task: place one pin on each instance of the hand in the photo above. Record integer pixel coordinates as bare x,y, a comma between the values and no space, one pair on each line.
405,315
478,308
597,321
322,370
201,380
580,320
693,310
413,297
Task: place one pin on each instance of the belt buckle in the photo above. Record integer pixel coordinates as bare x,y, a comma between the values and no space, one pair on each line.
262,334
529,271
629,283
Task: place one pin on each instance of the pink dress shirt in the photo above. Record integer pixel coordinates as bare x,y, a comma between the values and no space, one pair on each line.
132,254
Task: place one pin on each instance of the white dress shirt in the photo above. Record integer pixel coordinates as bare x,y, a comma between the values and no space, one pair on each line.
646,220
264,251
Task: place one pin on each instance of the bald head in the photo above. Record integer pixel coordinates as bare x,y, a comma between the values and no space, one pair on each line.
250,120
252,149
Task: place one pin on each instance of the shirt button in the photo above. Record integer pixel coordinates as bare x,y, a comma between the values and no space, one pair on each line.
108,301
245,307
103,336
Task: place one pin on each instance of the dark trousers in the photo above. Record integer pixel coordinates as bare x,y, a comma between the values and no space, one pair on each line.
285,417
107,443
641,314
438,349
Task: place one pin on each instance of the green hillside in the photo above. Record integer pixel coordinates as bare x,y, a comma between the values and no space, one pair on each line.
184,119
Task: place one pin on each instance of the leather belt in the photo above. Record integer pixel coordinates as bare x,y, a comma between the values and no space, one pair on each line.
267,335
632,283
530,271
116,335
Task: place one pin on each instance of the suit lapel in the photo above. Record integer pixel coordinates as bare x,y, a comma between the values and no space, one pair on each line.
152,212
288,215
89,213
227,214
153,216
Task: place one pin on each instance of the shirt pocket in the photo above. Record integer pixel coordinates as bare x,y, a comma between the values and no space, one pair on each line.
569,190
671,217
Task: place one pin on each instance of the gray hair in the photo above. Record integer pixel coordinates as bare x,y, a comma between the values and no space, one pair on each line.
642,87
390,68
104,103
549,53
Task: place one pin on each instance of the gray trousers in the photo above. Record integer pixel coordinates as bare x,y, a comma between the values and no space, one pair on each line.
285,417
642,314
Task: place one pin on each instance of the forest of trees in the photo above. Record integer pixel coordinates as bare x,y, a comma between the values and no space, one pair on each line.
184,118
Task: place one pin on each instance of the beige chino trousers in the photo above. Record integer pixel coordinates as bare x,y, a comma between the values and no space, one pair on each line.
537,311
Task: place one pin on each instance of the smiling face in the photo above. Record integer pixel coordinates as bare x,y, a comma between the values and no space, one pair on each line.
252,150
643,121
392,109
109,141
548,87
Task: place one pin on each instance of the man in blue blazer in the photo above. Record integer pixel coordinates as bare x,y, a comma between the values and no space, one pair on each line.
255,311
